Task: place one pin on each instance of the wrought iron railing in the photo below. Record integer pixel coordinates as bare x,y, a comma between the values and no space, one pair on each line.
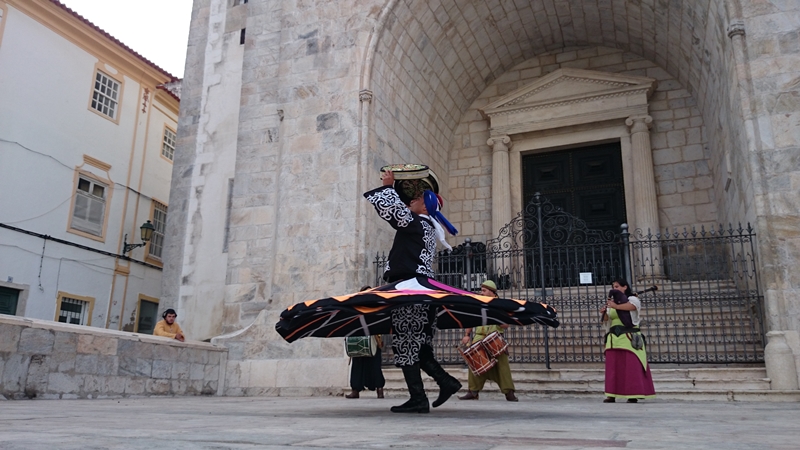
707,309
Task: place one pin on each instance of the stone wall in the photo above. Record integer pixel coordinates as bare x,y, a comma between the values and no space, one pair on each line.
204,167
51,360
258,364
770,89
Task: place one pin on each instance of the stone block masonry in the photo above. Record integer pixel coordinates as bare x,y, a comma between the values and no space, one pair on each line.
49,360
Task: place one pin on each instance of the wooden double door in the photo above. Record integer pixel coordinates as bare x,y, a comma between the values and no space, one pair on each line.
580,235
585,182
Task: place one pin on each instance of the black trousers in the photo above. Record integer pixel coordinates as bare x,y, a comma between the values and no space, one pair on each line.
366,373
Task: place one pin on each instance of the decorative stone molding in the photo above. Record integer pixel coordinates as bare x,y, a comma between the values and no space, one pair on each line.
500,143
365,95
639,124
105,167
736,28
145,99
609,83
569,97
574,101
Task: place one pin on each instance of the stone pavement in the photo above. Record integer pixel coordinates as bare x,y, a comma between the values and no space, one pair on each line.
337,423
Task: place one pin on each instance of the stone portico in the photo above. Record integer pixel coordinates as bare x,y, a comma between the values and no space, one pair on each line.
280,135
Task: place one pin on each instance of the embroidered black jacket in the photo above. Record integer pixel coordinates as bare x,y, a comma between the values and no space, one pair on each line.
415,241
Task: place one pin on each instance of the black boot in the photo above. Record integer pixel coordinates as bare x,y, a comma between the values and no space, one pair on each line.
448,384
419,401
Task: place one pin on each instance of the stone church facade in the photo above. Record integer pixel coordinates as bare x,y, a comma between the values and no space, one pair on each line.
289,108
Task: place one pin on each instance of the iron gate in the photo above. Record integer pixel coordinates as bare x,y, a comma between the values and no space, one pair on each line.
707,308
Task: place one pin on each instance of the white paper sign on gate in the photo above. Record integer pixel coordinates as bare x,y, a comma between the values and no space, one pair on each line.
586,277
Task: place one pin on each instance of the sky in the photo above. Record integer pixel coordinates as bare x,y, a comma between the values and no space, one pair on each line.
156,29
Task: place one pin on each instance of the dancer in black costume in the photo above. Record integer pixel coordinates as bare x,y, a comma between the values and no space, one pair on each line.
413,325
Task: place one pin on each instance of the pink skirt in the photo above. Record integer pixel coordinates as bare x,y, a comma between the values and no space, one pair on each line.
625,377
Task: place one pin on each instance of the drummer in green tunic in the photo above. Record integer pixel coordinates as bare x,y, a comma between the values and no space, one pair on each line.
501,372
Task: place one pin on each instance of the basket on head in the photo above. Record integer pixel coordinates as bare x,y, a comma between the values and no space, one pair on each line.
411,180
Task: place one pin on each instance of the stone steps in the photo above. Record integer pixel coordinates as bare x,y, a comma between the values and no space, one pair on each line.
672,383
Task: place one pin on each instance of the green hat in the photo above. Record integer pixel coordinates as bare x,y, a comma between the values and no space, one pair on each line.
489,284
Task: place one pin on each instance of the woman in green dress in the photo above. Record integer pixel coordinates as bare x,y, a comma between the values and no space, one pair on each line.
627,371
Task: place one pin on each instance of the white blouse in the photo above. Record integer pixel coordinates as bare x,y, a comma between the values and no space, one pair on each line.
635,313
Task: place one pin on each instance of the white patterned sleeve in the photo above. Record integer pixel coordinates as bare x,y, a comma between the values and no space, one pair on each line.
389,207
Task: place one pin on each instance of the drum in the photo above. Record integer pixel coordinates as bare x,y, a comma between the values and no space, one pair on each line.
360,346
478,358
495,344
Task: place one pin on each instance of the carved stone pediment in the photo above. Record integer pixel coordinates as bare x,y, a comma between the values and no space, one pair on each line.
569,97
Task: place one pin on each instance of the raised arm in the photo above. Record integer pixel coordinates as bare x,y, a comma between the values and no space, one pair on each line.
388,204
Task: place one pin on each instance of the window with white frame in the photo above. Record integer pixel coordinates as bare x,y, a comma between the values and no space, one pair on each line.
168,147
160,224
106,95
73,311
90,206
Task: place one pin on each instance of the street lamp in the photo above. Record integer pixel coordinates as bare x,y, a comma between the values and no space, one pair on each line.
147,229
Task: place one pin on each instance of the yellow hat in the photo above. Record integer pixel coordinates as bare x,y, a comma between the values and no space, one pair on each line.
489,284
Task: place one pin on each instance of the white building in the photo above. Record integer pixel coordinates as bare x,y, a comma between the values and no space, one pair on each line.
87,138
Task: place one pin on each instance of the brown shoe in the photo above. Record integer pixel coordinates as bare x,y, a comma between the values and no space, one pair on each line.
380,392
470,395
353,394
511,397
609,400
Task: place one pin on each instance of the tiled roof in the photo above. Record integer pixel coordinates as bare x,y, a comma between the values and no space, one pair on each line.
113,39
173,88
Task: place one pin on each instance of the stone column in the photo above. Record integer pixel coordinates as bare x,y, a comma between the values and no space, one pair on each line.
645,205
501,184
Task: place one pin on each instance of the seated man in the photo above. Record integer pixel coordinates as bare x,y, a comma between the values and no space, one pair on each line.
168,327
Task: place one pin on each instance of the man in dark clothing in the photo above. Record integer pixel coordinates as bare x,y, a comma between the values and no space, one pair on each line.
413,325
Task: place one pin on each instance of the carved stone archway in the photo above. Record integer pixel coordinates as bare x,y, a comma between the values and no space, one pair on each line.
566,108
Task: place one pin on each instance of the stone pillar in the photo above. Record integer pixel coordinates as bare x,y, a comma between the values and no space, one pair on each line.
645,205
779,360
501,184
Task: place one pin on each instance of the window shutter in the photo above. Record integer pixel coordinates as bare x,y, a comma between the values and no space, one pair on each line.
96,212
81,207
159,223
89,214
